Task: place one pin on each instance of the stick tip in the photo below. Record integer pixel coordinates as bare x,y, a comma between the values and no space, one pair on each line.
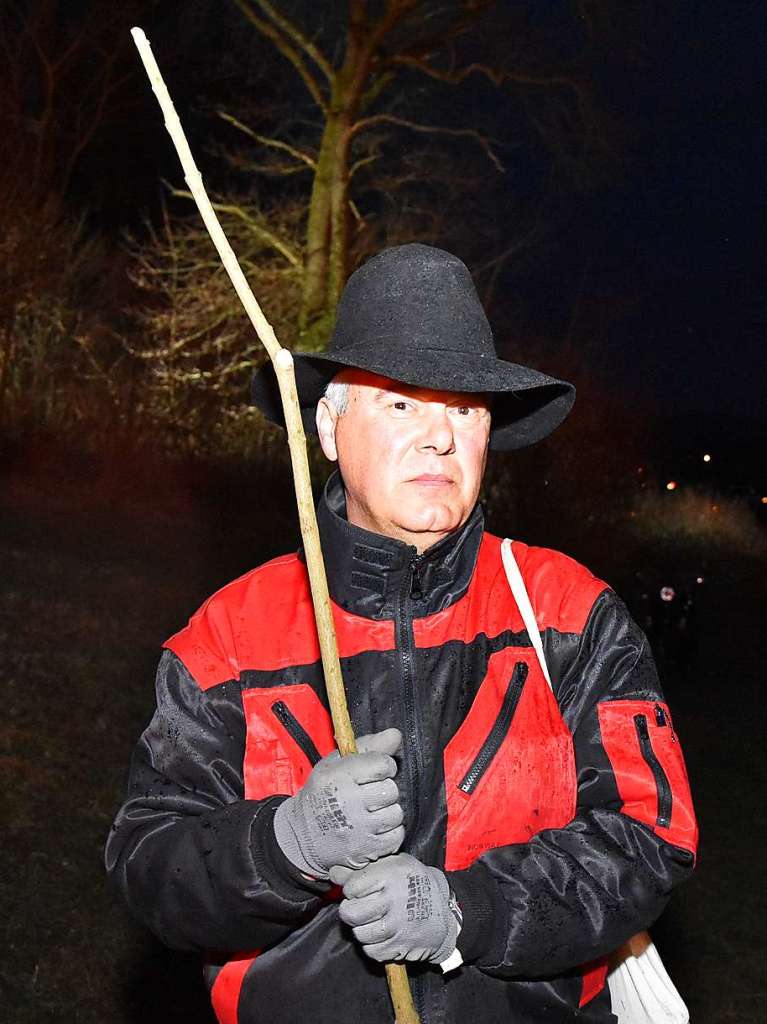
283,360
138,34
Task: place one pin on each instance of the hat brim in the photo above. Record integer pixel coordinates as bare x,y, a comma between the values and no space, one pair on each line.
527,405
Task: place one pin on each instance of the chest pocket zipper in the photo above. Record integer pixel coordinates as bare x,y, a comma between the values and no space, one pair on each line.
662,785
499,731
296,731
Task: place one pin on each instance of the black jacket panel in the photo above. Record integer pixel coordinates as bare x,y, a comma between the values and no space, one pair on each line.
197,862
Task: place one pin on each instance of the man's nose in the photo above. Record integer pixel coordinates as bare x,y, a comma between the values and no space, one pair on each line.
438,432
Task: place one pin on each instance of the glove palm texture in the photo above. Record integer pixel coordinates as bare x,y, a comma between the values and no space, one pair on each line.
347,813
399,909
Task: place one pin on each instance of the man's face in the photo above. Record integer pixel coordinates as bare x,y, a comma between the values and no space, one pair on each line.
411,459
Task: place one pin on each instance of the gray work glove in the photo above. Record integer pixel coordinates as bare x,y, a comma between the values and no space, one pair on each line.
347,812
400,909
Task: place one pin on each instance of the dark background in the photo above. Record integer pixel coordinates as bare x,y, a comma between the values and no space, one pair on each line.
676,238
655,276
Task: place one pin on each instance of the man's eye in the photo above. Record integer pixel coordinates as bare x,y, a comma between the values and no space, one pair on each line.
401,406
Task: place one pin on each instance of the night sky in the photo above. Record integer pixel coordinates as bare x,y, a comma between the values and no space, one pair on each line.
694,218
679,234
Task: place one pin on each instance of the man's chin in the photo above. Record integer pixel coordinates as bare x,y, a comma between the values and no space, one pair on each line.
432,523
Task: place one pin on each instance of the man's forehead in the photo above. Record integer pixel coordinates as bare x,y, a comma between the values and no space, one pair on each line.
376,385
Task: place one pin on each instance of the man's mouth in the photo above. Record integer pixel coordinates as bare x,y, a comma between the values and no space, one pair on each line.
432,480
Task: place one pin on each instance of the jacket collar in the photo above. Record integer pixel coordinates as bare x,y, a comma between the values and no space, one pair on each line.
369,574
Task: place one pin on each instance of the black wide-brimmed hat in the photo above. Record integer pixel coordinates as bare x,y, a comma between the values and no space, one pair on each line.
412,313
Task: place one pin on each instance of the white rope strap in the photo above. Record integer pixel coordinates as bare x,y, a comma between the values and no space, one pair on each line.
519,590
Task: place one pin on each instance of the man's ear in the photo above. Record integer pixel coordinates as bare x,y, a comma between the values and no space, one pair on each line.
327,417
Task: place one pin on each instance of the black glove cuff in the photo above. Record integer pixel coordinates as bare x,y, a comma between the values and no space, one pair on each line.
477,899
283,876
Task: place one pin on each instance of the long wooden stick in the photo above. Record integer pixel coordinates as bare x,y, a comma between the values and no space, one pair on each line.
282,360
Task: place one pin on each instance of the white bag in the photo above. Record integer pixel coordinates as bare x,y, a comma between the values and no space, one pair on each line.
642,992
640,989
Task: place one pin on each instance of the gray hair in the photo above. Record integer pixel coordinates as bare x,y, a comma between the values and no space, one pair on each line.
337,393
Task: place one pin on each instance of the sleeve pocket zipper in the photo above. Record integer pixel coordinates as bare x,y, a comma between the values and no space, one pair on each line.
296,731
662,785
499,731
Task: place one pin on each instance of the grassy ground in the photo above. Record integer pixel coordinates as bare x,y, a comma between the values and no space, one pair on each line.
101,563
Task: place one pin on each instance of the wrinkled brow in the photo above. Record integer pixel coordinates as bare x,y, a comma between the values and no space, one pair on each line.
383,392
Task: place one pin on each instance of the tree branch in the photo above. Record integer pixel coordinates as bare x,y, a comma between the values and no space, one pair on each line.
495,75
364,38
471,133
396,10
437,42
266,28
276,170
264,234
292,31
362,162
266,140
374,91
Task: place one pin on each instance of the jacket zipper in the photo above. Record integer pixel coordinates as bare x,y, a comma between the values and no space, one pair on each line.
413,741
296,731
662,785
499,731
413,745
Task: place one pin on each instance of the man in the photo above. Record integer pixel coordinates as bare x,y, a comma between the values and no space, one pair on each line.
500,835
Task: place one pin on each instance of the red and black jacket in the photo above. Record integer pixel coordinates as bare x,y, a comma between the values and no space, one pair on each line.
563,820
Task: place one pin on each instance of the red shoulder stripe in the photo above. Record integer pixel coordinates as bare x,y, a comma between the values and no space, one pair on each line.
562,592
486,607
265,621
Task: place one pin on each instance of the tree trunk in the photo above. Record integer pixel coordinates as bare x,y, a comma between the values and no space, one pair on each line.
327,238
338,263
318,228
327,233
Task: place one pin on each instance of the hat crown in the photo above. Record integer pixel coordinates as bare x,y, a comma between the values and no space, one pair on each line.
414,297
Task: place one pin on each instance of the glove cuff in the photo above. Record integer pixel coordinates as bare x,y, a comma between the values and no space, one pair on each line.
452,915
288,841
272,864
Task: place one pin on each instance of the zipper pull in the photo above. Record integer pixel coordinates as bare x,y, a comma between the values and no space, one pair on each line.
662,718
415,583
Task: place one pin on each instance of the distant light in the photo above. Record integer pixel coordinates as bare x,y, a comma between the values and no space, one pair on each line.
707,457
640,469
714,508
764,500
671,485
698,579
667,593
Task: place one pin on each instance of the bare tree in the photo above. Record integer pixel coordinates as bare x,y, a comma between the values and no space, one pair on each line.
367,147
60,66
348,86
359,64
